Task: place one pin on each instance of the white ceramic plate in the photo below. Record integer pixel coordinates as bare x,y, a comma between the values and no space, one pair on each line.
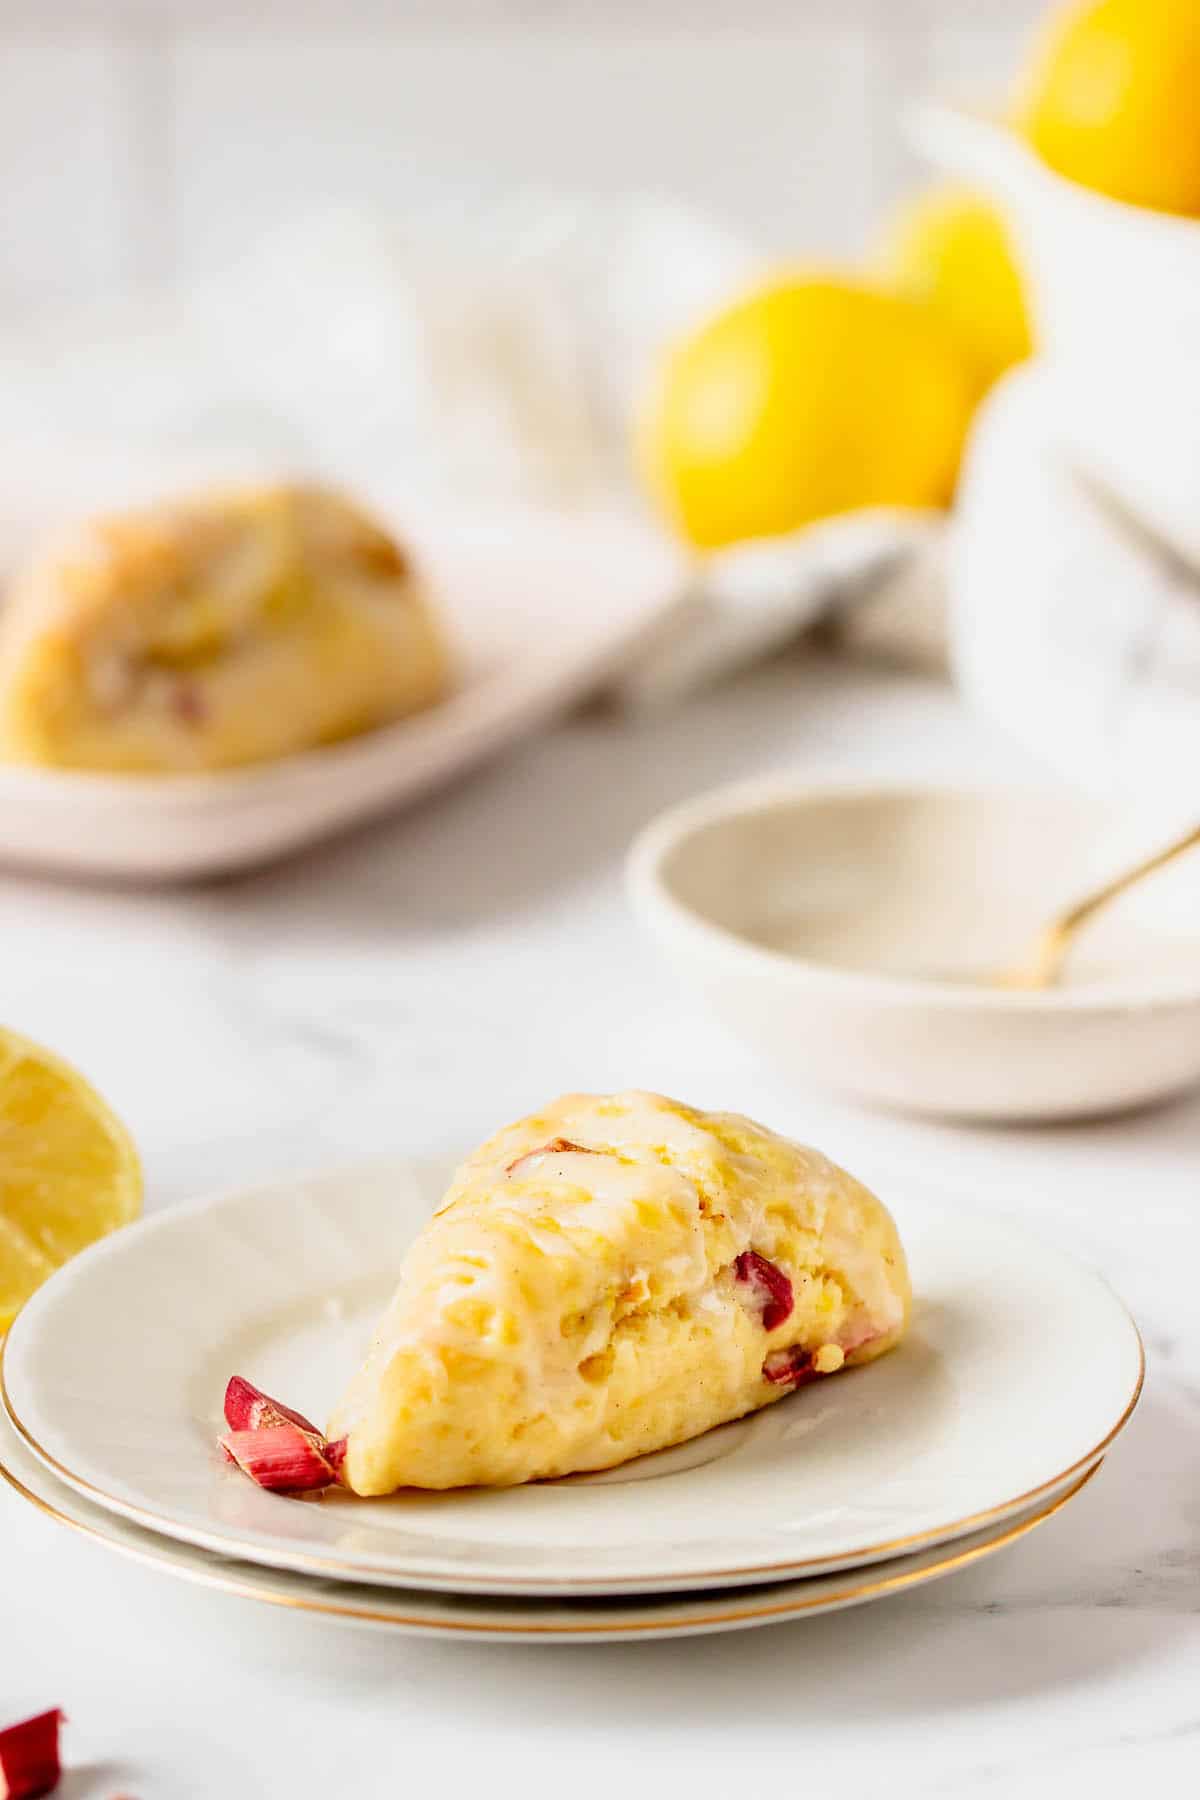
490,1619
542,609
1019,1370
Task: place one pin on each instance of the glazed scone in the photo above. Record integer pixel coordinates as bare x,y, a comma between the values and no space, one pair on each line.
224,629
611,1276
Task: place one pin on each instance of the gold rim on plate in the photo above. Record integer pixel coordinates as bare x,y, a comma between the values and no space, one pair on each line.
743,1575
246,1588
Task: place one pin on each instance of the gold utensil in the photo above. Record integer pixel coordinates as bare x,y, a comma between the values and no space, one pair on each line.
1042,964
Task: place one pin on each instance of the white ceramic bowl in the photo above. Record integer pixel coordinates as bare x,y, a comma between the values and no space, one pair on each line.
831,928
1115,291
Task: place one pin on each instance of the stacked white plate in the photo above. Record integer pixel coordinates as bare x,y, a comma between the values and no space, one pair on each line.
1020,1369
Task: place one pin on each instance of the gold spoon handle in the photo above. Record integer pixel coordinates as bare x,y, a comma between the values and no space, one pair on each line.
1083,909
1055,940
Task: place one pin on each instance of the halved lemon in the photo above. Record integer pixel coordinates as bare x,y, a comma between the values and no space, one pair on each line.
69,1173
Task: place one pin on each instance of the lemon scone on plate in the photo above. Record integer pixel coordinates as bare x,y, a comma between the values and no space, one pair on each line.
213,631
611,1276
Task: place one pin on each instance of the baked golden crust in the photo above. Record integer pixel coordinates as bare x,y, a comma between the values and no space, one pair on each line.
224,629
613,1275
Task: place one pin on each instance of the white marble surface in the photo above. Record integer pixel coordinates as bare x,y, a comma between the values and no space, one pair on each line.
411,987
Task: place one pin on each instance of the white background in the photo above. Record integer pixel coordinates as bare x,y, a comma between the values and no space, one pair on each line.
142,140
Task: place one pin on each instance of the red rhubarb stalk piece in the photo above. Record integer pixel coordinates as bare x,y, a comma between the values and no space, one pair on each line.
556,1147
281,1458
29,1761
188,703
770,1286
247,1408
790,1368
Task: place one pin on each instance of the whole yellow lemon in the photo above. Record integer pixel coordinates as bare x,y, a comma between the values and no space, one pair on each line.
952,249
808,397
1112,100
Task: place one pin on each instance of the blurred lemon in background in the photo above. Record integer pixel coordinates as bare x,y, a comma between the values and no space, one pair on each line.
808,397
68,1170
951,249
1112,99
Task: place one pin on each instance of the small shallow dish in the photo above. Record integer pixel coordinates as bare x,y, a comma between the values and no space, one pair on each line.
114,1373
541,609
846,933
491,1619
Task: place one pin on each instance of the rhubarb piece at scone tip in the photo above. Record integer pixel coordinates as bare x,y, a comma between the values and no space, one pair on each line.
247,1408
29,1756
284,1459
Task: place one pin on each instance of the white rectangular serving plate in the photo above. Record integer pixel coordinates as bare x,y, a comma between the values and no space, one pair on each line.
542,609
